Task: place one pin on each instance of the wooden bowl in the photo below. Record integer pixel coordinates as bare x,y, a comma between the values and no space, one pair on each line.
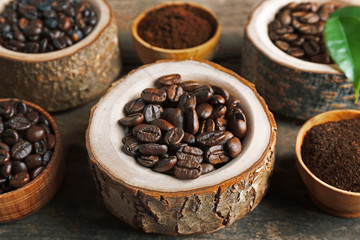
332,200
207,50
69,77
290,86
159,203
37,193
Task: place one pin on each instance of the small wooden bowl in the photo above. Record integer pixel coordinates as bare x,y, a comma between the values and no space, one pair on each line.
69,77
136,194
37,193
148,53
332,200
291,86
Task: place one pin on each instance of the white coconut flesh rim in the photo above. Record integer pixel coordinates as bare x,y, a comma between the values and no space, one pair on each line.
103,13
105,134
257,30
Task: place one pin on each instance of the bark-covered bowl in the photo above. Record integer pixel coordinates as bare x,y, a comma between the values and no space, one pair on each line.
69,77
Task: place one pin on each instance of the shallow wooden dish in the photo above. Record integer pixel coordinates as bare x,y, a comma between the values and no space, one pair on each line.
159,203
30,198
332,200
67,78
290,86
148,53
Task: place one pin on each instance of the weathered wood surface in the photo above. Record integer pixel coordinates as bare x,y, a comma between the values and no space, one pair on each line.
232,14
76,211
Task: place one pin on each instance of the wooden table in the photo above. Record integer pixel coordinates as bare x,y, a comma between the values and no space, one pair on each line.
76,211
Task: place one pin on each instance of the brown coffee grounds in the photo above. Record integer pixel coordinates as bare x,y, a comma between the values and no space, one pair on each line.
331,151
175,27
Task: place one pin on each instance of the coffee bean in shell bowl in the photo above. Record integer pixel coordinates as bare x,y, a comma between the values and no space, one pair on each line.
187,141
176,30
31,159
285,56
328,161
57,53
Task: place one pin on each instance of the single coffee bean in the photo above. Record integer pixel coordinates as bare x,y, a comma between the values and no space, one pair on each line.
19,179
165,164
33,116
4,156
33,161
218,111
187,169
162,124
204,110
10,137
135,106
207,167
174,116
210,138
209,125
187,100
189,138
132,120
203,93
310,18
169,80
220,124
238,127
148,133
153,95
5,109
148,161
284,46
217,99
51,140
21,107
228,136
233,147
188,153
47,157
189,86
174,136
5,169
152,112
5,147
21,149
40,147
35,133
19,122
191,121
153,149
127,137
216,155
17,167
174,92
236,113
131,147
296,52
233,102
285,18
36,172
311,48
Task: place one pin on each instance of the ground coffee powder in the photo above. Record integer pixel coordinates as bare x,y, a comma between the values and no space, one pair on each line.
331,151
175,27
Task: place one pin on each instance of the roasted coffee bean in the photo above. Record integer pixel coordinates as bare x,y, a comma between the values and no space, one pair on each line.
191,121
174,136
187,169
220,124
21,107
218,111
10,137
165,164
285,18
187,100
321,58
189,138
233,102
188,153
17,167
21,149
5,109
174,116
35,133
19,179
207,167
148,161
19,122
210,138
189,86
33,161
217,99
216,155
64,23
202,127
147,133
134,106
40,147
132,120
296,52
238,127
5,147
233,147
128,137
162,124
311,48
36,172
310,17
33,116
209,125
204,110
152,112
51,140
2,181
45,127
221,91
131,147
174,92
284,46
228,136
5,169
4,156
153,149
153,95
169,80
203,93
47,157
28,11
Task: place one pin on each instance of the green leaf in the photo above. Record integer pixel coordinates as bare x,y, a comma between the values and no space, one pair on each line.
342,37
351,11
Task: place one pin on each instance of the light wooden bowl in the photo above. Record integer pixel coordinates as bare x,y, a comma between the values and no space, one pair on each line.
332,200
149,54
291,86
159,203
67,78
37,193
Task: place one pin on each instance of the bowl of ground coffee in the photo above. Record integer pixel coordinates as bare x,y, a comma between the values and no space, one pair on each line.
199,160
328,160
31,161
57,53
176,31
285,56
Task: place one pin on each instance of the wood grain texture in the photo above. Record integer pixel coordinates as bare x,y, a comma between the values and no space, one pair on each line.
232,15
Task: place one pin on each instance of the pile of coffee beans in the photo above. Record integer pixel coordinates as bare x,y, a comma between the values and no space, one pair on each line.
27,142
39,26
298,30
182,128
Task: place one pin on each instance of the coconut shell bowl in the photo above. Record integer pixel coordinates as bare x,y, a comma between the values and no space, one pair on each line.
21,201
149,53
136,194
69,77
291,86
330,199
